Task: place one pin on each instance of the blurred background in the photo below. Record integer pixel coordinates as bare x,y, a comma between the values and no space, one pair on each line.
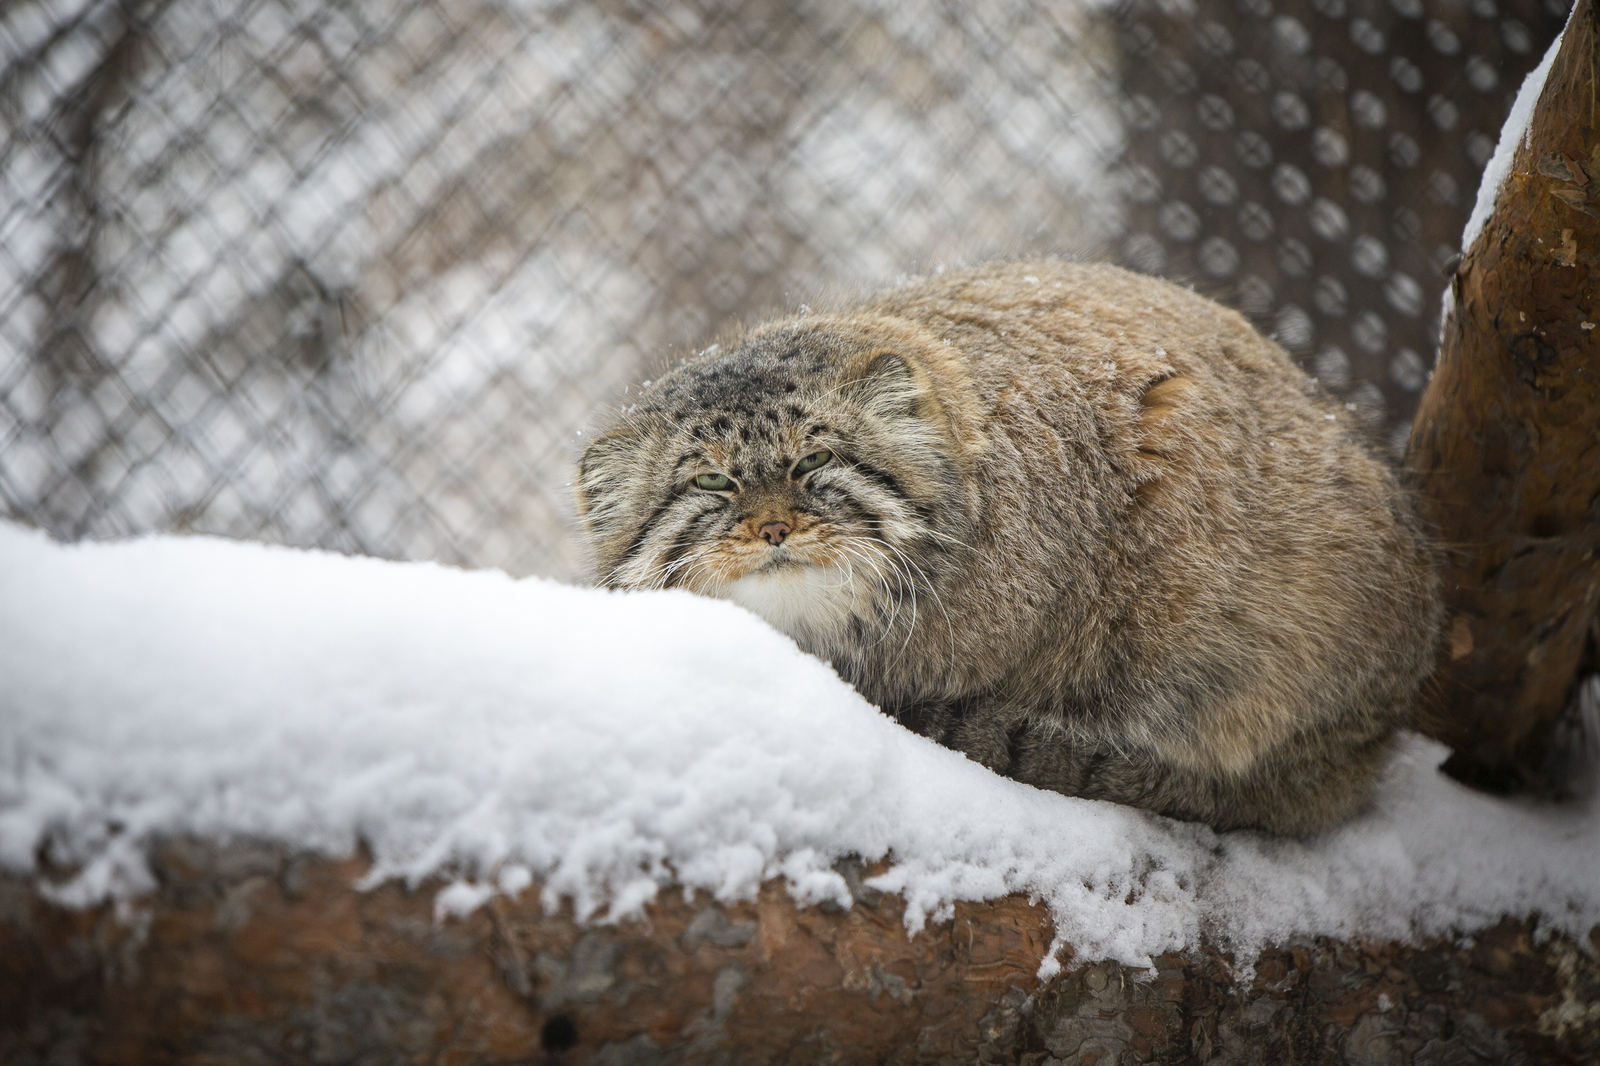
355,275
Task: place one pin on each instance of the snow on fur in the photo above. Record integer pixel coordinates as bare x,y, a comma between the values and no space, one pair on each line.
608,744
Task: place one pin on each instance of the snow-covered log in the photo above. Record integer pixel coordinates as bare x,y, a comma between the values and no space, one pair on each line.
253,954
1505,445
269,805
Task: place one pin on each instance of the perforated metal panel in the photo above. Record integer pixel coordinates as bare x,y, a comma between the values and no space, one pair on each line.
1313,163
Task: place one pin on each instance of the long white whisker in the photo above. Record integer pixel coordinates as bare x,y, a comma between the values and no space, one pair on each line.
874,564
871,565
902,586
910,584
937,601
940,535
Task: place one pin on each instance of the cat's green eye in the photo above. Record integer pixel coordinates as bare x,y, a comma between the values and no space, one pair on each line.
713,482
812,461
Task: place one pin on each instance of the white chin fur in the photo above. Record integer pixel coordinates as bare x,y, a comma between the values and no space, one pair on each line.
812,604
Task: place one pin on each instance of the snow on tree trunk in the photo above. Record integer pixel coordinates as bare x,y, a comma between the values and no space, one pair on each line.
1506,447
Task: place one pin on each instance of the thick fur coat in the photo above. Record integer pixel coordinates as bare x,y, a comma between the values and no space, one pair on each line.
1083,525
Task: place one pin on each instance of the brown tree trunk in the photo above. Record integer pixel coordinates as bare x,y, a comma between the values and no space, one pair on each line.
249,954
1506,444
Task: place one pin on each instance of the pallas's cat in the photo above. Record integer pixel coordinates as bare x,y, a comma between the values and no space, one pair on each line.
1085,526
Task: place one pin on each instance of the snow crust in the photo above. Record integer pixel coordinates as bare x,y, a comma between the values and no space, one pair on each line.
497,732
1518,127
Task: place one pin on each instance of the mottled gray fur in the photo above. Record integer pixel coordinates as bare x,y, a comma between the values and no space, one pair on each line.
1085,526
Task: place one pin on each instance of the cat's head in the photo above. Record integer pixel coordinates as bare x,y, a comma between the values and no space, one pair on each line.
810,472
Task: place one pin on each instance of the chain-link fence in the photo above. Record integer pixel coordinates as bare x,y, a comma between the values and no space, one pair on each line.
352,274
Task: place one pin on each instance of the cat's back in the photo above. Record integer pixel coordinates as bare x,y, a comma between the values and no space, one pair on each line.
1164,392
1173,404
1099,334
1227,520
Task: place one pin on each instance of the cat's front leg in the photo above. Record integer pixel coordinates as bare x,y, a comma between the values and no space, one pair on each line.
1039,750
1002,736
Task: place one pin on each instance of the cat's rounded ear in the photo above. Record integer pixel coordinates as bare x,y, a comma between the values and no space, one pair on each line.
609,466
887,383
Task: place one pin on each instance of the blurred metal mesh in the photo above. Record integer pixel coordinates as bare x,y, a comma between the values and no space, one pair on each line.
353,274
1313,162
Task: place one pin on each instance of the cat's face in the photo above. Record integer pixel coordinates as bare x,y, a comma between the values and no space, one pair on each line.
804,475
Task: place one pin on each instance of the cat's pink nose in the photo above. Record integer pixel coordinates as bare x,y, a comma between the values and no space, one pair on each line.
774,532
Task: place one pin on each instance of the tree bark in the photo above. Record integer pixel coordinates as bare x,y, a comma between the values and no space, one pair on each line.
1506,445
251,954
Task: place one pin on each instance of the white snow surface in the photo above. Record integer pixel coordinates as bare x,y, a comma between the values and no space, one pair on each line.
495,732
1518,127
